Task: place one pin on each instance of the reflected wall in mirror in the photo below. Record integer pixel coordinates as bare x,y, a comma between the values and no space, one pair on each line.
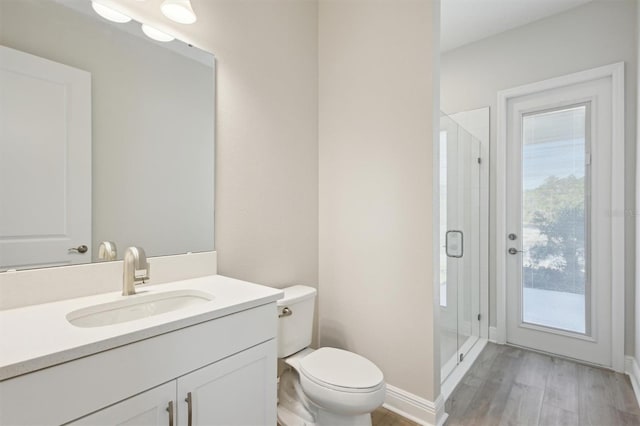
105,135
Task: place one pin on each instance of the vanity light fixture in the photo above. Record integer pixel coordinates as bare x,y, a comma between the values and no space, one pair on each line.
156,34
110,14
179,11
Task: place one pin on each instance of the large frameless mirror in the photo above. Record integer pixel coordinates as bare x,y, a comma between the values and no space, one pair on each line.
105,136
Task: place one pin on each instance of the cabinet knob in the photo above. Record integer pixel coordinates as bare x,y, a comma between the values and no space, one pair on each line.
286,312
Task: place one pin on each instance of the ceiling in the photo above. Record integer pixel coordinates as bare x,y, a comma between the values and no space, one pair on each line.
467,21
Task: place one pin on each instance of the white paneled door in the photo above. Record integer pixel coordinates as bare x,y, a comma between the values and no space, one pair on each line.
558,220
45,162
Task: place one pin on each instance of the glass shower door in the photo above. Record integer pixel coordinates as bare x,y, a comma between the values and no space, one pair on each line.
460,243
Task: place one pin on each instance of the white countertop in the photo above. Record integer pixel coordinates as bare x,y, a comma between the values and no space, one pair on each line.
39,336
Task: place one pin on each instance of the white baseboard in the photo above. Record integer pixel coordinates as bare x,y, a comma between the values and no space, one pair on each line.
493,333
632,369
415,408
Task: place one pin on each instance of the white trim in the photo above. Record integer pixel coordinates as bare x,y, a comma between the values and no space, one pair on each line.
449,385
500,335
632,369
493,332
616,73
415,408
617,218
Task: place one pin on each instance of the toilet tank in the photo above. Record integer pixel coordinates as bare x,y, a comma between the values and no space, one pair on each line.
295,325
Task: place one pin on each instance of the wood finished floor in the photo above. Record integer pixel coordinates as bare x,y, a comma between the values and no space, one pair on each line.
384,417
511,386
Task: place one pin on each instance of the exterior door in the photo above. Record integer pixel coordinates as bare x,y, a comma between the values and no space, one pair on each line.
558,204
45,162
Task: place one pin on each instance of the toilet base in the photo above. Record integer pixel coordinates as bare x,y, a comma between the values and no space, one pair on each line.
295,409
287,418
326,418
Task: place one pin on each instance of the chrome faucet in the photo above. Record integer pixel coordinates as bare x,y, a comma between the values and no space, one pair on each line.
135,269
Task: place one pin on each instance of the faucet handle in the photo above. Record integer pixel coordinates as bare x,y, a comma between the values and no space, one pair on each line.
143,274
107,250
141,270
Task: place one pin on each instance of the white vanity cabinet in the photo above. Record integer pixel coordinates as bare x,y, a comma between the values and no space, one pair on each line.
226,365
233,391
150,408
237,391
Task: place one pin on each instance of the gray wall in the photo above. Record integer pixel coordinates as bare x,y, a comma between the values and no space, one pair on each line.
598,33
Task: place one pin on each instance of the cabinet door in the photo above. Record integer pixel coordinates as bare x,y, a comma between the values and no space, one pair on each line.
150,408
237,391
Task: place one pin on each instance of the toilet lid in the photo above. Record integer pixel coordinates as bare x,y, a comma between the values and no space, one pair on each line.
341,368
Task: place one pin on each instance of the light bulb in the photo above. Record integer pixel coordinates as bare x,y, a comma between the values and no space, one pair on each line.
156,34
110,14
179,11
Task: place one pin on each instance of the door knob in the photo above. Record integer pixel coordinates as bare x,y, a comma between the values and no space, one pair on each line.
79,249
515,251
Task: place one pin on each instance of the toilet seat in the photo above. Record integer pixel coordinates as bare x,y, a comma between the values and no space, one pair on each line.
342,400
341,371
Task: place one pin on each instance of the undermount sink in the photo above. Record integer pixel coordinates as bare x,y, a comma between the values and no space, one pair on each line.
136,307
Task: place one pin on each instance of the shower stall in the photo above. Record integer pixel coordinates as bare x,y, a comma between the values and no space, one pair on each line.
460,239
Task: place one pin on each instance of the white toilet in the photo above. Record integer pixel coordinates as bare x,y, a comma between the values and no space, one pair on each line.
323,387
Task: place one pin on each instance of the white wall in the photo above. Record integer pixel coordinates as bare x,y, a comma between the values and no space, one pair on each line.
598,33
377,109
376,163
266,183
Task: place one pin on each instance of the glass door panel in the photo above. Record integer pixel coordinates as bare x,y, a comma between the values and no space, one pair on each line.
448,266
459,248
468,218
554,219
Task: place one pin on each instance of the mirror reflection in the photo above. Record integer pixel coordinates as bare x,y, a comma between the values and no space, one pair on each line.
106,136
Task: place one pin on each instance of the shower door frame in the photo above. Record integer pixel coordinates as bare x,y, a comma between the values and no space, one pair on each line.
476,122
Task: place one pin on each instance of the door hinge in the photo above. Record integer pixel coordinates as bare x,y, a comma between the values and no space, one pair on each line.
479,316
461,357
479,160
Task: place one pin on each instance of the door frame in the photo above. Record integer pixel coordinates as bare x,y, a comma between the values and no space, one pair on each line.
616,73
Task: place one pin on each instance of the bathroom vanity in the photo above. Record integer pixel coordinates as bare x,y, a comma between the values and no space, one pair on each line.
208,357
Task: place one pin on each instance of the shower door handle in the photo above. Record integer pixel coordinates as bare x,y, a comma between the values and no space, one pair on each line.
454,245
